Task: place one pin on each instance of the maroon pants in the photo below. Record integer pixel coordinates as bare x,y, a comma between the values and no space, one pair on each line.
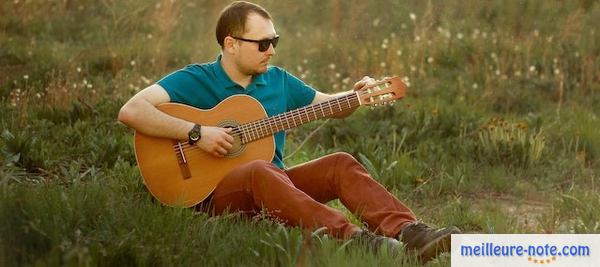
297,196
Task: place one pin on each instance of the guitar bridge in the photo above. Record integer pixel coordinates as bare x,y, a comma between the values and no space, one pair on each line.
183,165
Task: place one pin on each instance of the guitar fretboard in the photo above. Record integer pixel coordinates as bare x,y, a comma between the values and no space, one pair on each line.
268,126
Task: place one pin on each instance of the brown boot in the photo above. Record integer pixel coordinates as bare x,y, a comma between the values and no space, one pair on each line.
425,241
376,242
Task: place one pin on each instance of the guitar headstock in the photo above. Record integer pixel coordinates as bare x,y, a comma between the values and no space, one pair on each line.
384,91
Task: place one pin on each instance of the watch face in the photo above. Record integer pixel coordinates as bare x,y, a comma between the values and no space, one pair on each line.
194,135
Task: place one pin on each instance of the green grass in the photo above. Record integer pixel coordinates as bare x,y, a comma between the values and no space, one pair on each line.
498,134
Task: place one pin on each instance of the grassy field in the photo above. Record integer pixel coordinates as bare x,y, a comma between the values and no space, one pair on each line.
499,132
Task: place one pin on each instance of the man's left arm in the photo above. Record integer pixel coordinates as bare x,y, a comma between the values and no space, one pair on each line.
321,97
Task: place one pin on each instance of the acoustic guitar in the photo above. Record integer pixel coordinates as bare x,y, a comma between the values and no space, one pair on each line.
179,174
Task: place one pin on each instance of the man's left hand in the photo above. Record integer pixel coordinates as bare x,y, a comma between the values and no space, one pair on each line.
365,81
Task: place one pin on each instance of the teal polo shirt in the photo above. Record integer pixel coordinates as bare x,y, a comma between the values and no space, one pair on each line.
205,85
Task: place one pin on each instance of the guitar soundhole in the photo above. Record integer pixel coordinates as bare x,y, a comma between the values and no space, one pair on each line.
238,148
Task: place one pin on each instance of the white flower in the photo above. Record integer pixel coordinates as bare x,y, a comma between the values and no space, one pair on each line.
412,16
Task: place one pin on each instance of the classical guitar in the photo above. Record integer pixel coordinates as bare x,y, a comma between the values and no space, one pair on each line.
179,174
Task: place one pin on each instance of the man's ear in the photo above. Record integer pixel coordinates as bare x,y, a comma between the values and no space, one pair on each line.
229,45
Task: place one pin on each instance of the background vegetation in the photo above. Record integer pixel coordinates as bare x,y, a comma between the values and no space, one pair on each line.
499,132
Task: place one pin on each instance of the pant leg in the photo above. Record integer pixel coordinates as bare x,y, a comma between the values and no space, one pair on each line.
259,184
341,176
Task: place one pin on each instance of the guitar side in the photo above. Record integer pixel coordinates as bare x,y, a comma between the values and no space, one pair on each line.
175,183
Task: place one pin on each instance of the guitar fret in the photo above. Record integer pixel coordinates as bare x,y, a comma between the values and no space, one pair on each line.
281,121
339,106
255,130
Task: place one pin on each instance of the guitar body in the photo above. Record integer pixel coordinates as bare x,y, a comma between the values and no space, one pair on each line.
183,175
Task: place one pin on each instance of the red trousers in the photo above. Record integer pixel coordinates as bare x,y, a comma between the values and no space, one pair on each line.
297,196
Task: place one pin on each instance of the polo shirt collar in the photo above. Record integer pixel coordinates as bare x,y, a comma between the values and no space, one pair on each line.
221,75
224,79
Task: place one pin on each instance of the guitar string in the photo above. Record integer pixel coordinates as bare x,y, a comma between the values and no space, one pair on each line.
269,125
240,131
187,148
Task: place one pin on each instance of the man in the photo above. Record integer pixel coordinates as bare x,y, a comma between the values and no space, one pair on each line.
297,195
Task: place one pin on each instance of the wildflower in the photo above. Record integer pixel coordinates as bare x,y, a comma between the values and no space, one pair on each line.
556,71
459,36
430,60
399,52
132,63
532,68
376,22
403,26
412,16
417,38
78,69
382,64
332,66
475,86
26,77
149,36
536,33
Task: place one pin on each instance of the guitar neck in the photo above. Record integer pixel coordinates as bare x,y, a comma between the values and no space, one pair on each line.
291,119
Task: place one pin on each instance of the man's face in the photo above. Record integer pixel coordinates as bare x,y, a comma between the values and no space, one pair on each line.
248,58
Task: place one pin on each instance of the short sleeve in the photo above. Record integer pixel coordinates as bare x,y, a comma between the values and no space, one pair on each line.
178,84
298,93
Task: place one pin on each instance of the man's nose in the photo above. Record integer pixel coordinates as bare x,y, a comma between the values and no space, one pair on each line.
271,50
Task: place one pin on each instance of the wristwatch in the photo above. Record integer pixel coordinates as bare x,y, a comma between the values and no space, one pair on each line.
194,134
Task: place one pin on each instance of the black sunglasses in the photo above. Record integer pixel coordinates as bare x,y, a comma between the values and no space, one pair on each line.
263,45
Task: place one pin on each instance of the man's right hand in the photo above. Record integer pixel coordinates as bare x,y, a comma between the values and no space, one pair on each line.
216,140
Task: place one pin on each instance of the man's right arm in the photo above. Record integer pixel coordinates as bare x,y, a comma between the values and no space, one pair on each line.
141,114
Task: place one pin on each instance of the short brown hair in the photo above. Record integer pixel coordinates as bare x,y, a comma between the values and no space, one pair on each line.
232,21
